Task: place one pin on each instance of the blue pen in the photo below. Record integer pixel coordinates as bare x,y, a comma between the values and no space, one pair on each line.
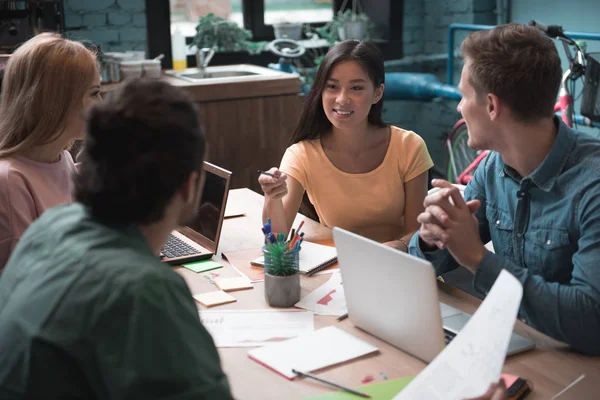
272,237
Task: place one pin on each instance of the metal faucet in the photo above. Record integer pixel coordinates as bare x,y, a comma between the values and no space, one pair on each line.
203,57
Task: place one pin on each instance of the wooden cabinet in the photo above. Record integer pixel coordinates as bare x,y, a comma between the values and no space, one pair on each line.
248,134
248,123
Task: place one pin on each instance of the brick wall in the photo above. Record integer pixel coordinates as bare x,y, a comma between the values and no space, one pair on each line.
425,38
114,25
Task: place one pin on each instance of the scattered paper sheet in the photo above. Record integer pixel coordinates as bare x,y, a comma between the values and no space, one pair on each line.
327,299
474,358
234,210
240,261
252,328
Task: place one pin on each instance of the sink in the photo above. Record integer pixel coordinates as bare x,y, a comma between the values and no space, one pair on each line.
218,74
239,72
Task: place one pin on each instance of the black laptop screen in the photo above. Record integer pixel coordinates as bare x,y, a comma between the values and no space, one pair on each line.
206,222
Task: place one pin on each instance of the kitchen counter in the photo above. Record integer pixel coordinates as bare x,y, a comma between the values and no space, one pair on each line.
248,123
275,84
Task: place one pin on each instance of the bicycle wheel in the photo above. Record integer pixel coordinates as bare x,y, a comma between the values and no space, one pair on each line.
460,155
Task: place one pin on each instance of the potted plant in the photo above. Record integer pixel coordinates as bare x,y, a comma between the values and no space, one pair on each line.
224,36
282,280
288,30
351,25
348,23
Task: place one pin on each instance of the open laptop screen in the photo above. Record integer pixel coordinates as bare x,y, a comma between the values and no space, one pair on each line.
206,222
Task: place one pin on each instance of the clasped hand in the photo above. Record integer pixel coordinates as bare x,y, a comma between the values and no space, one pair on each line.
448,222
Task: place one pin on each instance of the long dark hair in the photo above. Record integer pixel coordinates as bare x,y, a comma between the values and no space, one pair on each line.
313,121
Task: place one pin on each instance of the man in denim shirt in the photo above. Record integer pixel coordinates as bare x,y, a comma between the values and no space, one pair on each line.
536,196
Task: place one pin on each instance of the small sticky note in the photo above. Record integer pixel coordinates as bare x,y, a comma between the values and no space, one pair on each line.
212,299
233,284
202,266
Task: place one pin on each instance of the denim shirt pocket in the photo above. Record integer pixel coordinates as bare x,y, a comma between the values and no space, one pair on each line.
501,230
548,252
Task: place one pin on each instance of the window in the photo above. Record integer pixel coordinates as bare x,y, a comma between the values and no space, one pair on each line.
185,13
258,16
305,11
255,15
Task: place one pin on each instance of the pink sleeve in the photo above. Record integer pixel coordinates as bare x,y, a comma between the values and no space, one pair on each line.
17,212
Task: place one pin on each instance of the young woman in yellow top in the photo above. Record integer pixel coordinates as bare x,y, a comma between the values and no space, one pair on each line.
360,173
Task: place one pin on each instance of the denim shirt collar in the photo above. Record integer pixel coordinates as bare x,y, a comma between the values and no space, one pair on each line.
545,175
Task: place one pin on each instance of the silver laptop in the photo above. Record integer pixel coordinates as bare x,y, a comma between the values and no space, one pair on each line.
393,295
199,240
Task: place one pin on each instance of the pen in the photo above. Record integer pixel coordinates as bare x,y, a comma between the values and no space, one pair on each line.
209,279
335,385
291,238
260,171
299,227
342,317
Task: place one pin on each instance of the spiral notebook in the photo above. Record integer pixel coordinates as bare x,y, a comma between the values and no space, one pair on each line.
313,258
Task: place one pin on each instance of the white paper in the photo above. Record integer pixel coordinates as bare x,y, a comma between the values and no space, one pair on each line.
327,299
312,351
474,358
252,328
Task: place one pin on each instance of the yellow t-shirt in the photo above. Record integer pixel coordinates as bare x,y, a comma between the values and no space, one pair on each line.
369,204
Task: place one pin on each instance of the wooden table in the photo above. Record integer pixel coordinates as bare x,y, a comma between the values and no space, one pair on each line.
551,366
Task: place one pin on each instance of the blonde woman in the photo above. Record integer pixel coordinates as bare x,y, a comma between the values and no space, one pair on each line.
48,83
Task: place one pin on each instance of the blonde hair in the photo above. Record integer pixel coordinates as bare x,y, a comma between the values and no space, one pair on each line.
44,84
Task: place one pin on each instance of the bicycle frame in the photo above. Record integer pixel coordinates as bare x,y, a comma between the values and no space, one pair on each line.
576,69
563,108
565,103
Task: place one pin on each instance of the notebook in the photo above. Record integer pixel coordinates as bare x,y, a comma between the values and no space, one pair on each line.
311,351
313,258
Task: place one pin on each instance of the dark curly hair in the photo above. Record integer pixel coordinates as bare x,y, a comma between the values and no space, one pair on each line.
142,144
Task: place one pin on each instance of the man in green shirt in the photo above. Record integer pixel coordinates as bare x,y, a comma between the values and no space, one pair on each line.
86,308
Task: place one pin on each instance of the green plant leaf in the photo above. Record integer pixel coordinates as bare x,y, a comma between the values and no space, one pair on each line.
225,35
278,261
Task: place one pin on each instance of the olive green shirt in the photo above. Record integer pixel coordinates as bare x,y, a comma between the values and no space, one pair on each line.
88,311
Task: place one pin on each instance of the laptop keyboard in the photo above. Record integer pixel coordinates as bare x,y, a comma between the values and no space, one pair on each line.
448,336
176,247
